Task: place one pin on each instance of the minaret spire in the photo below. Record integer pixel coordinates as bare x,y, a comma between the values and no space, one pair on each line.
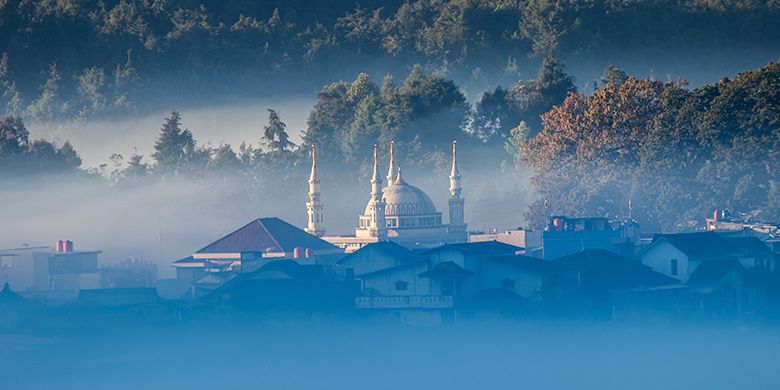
376,180
455,189
391,170
457,219
314,208
374,221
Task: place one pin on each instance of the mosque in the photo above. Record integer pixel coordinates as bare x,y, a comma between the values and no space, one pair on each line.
398,212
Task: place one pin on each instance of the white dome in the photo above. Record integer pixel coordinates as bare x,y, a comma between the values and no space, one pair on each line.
402,199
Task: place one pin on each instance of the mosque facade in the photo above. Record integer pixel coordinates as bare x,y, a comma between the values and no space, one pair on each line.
397,211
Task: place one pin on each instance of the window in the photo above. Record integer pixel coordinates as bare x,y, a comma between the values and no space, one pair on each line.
673,266
401,286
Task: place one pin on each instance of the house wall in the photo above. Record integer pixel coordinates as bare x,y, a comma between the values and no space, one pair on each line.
384,282
527,283
369,261
469,285
16,267
659,256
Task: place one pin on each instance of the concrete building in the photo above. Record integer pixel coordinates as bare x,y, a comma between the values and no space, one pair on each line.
529,240
398,212
16,266
66,269
564,236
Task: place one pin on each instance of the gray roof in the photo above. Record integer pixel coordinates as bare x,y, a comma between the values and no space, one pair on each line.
267,235
699,244
749,245
712,271
530,263
389,248
446,269
482,248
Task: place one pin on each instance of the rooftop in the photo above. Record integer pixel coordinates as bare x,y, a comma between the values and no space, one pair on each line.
446,269
481,248
266,235
712,271
699,244
389,248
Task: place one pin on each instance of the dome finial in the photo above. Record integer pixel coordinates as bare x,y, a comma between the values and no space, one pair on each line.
398,179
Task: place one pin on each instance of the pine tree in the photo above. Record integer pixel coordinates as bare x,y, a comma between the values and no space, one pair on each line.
275,133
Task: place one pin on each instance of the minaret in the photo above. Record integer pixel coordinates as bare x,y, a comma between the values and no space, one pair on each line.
314,208
377,226
391,171
457,222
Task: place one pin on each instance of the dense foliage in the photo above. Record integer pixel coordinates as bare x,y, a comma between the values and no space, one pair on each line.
71,58
655,151
661,153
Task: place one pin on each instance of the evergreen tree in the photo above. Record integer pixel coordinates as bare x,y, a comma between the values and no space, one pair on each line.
275,133
176,152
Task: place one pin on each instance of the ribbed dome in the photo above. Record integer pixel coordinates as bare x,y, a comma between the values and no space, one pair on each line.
402,199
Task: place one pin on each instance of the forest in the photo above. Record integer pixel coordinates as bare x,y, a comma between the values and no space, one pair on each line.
83,58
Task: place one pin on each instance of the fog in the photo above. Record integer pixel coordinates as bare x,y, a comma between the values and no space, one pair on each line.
324,354
162,222
230,123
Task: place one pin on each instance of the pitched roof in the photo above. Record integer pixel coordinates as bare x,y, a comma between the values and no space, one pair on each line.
267,235
187,260
290,268
530,263
389,248
749,245
699,244
712,271
602,269
482,248
391,269
446,269
8,297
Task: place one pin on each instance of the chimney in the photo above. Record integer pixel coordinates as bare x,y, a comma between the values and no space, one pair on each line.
297,252
60,246
716,215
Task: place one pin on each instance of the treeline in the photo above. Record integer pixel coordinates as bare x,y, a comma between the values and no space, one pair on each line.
655,151
659,152
83,58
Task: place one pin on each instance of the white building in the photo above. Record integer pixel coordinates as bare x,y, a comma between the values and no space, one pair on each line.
681,255
398,212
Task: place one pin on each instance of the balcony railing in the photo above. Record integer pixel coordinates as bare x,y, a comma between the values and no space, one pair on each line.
404,302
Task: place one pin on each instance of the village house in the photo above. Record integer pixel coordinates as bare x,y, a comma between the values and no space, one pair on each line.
679,255
249,247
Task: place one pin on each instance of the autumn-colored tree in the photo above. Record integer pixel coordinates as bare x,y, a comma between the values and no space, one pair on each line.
588,156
